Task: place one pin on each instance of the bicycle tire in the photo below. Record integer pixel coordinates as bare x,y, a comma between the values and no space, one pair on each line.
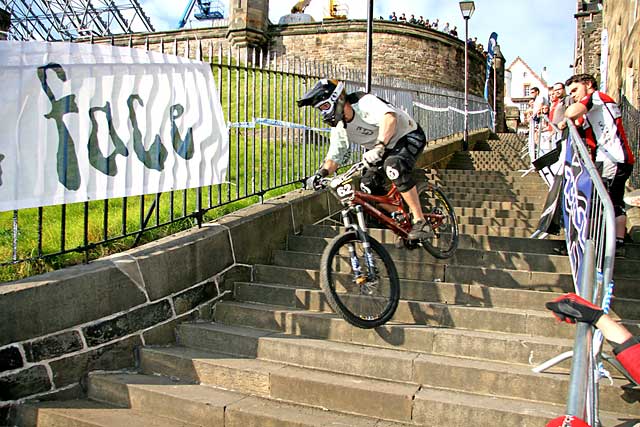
355,302
444,242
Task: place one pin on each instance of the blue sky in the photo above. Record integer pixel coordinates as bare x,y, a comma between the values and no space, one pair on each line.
542,32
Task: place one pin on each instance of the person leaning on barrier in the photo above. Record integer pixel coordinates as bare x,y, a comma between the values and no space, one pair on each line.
571,308
600,124
392,137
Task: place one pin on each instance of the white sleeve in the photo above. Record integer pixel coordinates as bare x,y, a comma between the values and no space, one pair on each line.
339,150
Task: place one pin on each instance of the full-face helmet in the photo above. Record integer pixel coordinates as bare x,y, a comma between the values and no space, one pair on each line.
329,97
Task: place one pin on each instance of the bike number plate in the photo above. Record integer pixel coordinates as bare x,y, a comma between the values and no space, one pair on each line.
345,189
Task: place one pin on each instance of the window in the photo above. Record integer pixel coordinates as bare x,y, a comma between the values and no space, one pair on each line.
527,90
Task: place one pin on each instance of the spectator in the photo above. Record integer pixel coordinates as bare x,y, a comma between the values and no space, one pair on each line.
446,28
427,24
435,24
571,308
413,19
393,17
559,103
402,18
421,21
471,44
538,100
454,32
607,141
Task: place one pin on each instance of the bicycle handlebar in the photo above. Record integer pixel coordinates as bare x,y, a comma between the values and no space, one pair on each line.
337,180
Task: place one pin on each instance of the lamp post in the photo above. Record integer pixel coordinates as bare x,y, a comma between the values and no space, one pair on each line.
467,8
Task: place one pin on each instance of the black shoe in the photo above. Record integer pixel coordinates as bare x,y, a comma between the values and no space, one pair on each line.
420,231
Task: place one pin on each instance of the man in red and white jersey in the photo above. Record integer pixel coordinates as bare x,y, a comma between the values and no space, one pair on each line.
601,126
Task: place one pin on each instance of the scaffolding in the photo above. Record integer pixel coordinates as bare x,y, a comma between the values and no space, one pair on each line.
58,20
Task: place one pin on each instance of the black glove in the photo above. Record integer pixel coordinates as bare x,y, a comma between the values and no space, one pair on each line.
314,182
571,308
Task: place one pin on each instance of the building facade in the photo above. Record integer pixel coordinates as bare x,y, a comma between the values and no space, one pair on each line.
519,80
622,29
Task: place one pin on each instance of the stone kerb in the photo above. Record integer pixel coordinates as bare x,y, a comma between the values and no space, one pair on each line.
57,327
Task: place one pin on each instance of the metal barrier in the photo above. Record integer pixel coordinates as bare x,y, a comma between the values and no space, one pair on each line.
592,261
273,145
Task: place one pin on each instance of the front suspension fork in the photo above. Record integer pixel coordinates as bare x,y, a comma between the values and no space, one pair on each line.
362,232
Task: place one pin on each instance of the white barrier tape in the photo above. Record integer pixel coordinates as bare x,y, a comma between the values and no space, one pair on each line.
242,125
428,108
470,112
446,109
274,123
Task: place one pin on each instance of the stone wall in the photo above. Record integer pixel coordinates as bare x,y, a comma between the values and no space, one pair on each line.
400,50
623,76
588,49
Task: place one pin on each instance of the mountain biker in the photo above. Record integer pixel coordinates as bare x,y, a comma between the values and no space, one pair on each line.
393,139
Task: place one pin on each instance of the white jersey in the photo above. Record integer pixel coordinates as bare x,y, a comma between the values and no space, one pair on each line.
365,127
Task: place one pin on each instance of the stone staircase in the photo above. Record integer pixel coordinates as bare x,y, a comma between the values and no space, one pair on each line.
458,352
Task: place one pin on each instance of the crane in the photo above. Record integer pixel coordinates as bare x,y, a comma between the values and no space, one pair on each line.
208,9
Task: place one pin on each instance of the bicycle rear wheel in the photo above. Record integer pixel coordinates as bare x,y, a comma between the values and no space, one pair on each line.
367,298
439,212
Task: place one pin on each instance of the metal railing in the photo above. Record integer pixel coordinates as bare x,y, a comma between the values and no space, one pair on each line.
269,152
592,262
597,275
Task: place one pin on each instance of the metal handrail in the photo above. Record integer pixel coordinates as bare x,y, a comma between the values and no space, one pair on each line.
597,273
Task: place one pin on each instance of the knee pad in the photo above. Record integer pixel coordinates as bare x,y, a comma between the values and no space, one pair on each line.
399,173
372,182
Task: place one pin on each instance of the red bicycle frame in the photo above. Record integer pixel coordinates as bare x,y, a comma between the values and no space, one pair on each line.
392,198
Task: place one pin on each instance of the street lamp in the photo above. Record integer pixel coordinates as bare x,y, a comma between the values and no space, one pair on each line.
467,8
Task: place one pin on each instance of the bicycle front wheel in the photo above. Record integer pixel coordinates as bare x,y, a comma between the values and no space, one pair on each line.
364,292
439,213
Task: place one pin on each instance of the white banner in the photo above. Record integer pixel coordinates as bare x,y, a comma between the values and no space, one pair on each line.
85,122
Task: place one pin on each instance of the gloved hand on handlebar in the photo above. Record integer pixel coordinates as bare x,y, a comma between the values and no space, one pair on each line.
314,182
373,156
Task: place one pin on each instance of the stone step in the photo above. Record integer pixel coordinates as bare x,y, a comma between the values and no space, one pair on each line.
240,338
205,405
487,176
494,188
462,212
312,246
312,298
491,196
512,279
86,413
488,165
466,241
333,377
492,319
511,205
274,380
426,268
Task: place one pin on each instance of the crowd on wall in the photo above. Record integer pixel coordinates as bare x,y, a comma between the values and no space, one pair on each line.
435,25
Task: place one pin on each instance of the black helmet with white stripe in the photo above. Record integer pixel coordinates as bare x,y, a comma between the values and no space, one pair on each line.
329,97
